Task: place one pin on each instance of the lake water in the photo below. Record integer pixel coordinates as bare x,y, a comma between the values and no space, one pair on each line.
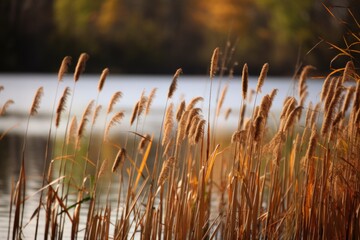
21,89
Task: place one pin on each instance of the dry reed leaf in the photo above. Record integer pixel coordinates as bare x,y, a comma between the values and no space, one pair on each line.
80,66
102,79
61,105
173,84
244,80
36,102
64,68
5,107
214,62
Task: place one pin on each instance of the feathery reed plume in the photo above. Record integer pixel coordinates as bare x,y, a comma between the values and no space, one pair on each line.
150,100
193,102
64,67
102,79
96,114
84,120
348,71
134,113
144,140
194,123
80,66
72,131
303,76
262,77
61,105
348,97
180,110
330,111
221,99
103,167
244,80
227,113
36,102
114,120
168,124
214,62
325,87
173,84
114,99
312,144
120,158
291,118
6,106
142,104
199,134
329,94
165,170
182,127
193,113
258,127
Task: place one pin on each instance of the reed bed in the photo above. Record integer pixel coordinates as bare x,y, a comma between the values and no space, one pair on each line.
298,179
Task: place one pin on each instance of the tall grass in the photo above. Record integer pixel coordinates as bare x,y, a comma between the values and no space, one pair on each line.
298,179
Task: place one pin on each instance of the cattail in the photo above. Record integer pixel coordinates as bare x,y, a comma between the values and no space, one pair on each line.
102,79
61,106
114,99
193,102
6,106
134,113
325,87
36,102
302,79
168,124
199,134
262,77
120,158
214,62
291,118
150,100
173,85
349,96
258,127
64,67
348,71
84,120
221,99
227,113
180,110
312,144
96,114
114,120
72,131
80,67
165,170
244,80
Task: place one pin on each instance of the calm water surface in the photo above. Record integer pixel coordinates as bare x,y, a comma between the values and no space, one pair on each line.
21,89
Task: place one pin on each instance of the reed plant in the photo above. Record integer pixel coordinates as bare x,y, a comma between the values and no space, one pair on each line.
296,179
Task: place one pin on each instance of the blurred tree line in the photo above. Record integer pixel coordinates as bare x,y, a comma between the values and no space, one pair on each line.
158,36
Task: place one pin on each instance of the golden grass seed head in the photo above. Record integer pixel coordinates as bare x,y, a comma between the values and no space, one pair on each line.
180,110
348,97
96,114
6,106
119,159
262,77
173,84
168,124
70,136
61,105
221,99
193,102
102,79
64,67
165,170
36,102
214,62
114,121
80,67
244,81
150,100
114,99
